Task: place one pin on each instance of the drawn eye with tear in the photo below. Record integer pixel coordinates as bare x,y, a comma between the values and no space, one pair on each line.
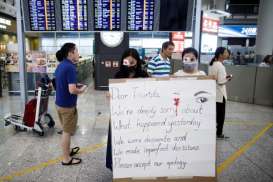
201,99
201,96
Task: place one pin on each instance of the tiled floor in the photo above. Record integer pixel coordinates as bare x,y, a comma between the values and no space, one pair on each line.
27,157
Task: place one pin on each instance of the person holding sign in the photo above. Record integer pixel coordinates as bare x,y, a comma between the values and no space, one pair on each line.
190,63
217,69
130,67
67,90
160,66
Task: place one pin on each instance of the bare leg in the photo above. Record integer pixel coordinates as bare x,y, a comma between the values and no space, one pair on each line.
66,139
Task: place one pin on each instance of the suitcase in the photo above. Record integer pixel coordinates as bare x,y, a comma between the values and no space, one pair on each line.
29,114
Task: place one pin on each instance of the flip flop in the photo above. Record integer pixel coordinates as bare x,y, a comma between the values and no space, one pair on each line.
74,151
71,162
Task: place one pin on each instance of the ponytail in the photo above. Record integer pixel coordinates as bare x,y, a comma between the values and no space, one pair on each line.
65,49
59,55
219,51
212,61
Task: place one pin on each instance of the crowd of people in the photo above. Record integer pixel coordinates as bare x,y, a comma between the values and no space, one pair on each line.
67,88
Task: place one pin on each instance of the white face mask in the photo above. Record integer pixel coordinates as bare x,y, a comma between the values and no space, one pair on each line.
190,66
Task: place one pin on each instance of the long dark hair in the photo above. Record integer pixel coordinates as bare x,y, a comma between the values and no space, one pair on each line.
65,49
219,51
123,71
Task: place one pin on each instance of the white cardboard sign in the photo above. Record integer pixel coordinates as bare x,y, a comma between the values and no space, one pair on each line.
163,128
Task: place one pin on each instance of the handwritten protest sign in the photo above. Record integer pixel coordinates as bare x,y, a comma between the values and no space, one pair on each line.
163,128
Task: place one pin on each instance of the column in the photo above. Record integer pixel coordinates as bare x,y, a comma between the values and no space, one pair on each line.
264,38
220,4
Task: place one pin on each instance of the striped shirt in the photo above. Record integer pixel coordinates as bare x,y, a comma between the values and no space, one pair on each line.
159,67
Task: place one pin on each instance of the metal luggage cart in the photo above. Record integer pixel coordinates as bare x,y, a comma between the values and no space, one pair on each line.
42,118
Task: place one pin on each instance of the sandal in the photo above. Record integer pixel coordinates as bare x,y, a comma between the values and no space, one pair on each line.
74,151
78,161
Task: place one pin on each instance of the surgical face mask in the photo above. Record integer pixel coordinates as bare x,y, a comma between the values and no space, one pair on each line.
190,66
130,69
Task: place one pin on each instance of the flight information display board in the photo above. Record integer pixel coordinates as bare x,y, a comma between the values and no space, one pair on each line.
107,14
178,16
42,15
74,15
140,15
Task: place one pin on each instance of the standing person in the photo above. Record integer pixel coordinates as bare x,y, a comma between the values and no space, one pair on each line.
160,66
217,69
267,62
67,90
238,58
130,67
190,63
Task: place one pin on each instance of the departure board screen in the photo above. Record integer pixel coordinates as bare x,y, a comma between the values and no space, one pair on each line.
140,15
107,14
74,15
42,15
177,17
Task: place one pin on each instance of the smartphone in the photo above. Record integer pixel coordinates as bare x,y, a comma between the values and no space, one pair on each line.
229,76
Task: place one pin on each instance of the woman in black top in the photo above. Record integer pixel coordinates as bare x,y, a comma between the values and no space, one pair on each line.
130,67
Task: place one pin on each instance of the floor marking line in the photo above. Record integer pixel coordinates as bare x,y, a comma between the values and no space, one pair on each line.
95,147
85,150
242,149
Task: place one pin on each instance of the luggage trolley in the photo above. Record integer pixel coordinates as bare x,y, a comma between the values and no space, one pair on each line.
35,115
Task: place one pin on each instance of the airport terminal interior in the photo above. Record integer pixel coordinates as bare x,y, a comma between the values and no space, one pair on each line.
148,84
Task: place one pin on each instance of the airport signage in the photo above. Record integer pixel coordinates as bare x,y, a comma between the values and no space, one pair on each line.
237,31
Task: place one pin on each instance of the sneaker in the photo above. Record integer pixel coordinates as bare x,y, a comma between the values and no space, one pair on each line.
222,137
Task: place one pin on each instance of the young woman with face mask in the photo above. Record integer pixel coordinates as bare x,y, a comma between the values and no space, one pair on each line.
189,63
130,67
